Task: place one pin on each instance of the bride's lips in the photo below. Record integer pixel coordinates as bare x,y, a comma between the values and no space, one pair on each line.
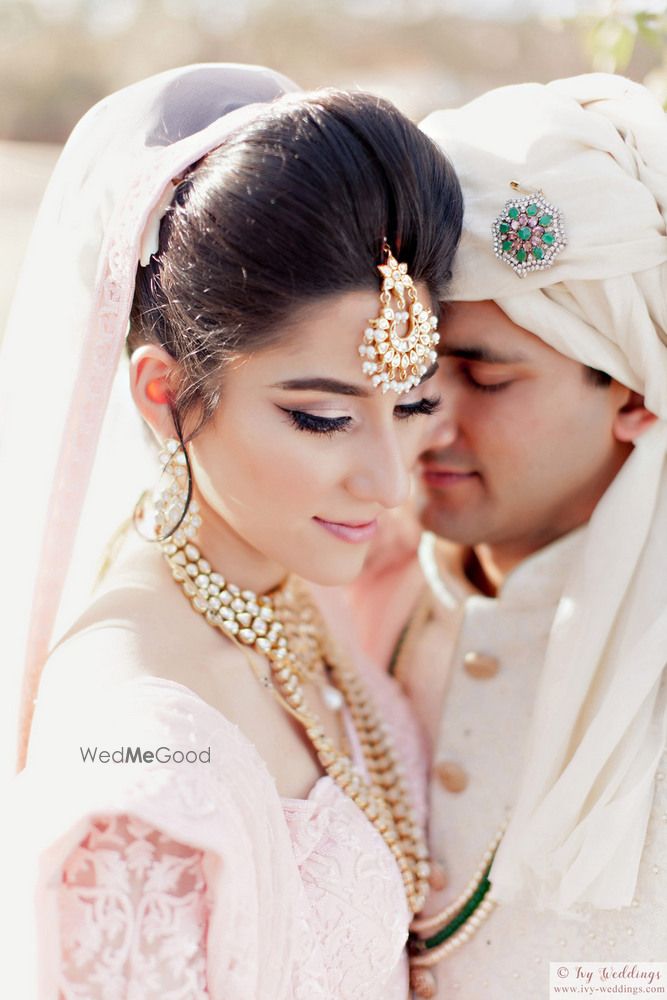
440,477
350,532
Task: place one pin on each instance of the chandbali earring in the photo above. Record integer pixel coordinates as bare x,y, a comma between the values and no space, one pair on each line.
159,513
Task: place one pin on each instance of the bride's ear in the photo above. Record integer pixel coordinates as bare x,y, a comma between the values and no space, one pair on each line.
150,370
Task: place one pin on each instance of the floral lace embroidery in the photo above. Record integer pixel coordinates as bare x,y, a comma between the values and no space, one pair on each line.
133,913
134,910
355,896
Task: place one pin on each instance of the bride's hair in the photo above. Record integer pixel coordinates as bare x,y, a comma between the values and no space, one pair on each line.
290,209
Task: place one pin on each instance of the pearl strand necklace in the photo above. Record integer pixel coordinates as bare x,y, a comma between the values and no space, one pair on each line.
453,926
428,948
462,918
280,627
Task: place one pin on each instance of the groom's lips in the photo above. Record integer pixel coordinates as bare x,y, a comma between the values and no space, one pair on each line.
441,477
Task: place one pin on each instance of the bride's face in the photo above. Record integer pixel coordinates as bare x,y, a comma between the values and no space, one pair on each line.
303,454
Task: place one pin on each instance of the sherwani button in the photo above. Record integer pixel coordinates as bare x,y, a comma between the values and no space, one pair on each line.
480,665
451,775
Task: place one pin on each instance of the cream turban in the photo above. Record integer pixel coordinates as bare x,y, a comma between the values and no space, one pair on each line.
596,146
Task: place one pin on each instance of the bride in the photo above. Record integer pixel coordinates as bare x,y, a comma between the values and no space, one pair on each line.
214,796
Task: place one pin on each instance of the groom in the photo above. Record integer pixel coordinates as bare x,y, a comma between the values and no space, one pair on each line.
536,645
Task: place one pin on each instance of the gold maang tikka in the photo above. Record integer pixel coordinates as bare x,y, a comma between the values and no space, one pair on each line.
399,344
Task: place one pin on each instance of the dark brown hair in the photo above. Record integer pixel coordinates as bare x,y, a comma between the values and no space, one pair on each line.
292,208
597,377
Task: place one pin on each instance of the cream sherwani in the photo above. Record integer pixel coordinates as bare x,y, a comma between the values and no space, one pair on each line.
491,651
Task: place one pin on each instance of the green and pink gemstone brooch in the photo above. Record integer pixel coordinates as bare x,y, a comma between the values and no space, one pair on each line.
528,234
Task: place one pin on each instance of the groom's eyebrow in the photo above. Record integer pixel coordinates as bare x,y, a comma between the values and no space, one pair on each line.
485,354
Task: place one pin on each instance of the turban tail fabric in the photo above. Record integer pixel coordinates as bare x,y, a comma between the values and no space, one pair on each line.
596,145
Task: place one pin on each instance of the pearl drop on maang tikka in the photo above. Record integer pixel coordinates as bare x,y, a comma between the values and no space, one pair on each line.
392,359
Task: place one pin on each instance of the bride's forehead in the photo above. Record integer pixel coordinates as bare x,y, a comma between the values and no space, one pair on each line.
331,327
320,350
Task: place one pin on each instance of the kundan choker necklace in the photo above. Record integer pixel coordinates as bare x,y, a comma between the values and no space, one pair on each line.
287,628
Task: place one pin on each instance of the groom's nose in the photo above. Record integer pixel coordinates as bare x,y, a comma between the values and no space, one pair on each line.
441,427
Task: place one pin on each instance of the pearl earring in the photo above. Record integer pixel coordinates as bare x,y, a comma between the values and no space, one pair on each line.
159,513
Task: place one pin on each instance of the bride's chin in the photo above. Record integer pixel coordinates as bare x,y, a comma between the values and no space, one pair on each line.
327,571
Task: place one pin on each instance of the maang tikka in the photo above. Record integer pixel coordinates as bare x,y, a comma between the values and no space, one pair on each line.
399,344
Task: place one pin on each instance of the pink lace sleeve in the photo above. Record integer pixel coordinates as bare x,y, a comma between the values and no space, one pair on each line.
133,916
141,914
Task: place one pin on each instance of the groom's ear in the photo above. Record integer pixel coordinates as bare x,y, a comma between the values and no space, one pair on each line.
632,419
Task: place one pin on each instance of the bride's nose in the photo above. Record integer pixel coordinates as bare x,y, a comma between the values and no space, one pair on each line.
381,475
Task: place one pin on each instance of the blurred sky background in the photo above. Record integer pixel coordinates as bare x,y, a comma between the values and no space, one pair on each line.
58,57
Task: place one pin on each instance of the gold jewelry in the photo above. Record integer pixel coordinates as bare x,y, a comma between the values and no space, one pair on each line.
287,628
399,344
433,938
425,926
157,514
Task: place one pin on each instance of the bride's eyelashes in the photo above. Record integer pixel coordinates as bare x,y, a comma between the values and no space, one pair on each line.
317,425
312,424
427,405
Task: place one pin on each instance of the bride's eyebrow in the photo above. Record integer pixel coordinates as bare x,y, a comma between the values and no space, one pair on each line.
484,354
322,384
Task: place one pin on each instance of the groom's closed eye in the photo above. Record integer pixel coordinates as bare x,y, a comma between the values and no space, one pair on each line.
483,368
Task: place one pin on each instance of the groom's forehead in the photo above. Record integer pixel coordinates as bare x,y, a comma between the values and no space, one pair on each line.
472,350
480,331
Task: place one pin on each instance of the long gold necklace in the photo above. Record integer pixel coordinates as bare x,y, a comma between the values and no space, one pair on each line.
435,937
287,628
